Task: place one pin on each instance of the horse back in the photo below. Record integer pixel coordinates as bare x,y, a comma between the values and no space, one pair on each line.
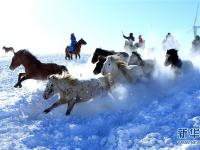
104,52
87,89
47,69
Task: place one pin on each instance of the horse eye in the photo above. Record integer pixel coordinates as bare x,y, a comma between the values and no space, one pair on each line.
108,64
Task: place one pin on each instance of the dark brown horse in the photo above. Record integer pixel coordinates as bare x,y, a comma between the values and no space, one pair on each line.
68,54
7,49
34,69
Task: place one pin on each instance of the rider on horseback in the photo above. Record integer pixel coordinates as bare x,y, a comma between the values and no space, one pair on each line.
129,43
130,38
73,42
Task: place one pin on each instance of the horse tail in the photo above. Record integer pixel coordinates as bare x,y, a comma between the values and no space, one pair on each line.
8,49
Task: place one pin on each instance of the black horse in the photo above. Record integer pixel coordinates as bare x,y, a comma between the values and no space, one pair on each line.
101,52
173,59
100,55
99,65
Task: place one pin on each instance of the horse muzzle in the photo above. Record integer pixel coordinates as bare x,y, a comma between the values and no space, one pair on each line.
45,96
11,68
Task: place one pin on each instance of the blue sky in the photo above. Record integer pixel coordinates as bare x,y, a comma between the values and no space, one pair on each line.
45,25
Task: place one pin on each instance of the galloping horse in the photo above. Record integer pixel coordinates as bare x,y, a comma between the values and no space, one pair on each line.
73,90
100,55
34,69
148,65
120,71
101,52
176,63
68,53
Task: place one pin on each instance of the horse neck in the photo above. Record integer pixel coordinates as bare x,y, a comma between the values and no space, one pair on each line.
78,46
117,75
26,61
60,86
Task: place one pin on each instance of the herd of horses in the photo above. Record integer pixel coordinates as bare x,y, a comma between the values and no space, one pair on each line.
115,67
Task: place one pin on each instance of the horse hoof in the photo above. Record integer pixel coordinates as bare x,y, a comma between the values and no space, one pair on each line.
16,85
20,85
46,111
67,113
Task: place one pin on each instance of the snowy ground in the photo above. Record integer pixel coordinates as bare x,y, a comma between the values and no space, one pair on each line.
142,116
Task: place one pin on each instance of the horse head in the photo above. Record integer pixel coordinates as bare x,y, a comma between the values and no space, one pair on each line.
95,55
101,52
16,61
82,41
109,66
172,58
135,59
50,88
23,57
99,65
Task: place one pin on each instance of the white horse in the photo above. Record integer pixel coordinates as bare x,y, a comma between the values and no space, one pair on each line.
148,65
72,90
120,71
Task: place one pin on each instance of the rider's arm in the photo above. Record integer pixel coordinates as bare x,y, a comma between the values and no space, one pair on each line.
126,37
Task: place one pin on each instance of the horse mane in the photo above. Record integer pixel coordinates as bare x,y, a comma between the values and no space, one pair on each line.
123,67
68,78
78,41
139,57
173,58
110,52
29,55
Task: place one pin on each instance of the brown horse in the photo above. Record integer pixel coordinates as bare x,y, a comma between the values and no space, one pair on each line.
34,69
68,54
7,49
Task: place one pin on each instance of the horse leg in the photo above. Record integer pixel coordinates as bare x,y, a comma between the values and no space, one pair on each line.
79,55
20,81
76,55
70,106
20,76
56,104
71,56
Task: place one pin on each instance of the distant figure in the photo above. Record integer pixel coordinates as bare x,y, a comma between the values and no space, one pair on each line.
197,37
129,44
196,44
130,38
169,42
140,40
7,49
168,35
140,43
73,42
